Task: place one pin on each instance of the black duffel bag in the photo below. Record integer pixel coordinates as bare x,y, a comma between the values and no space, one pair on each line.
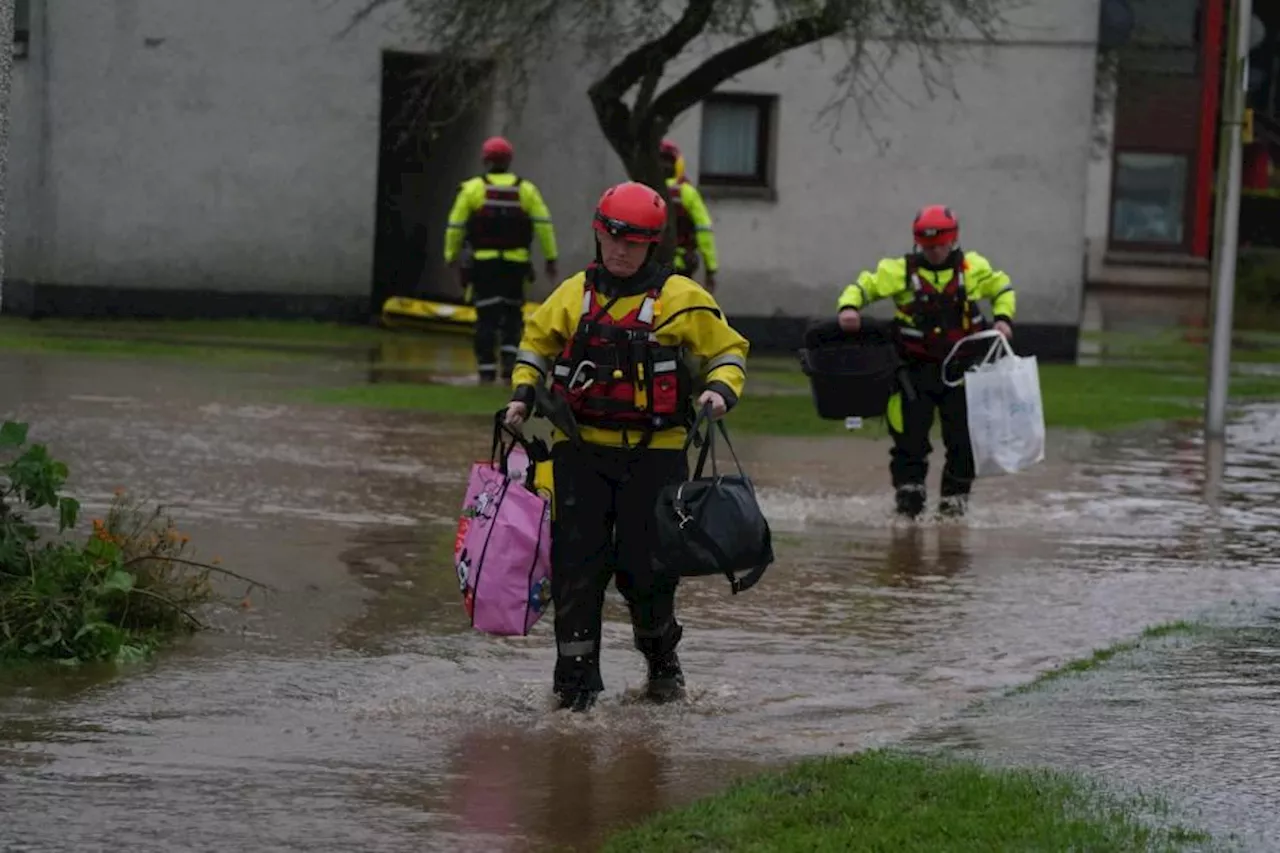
713,525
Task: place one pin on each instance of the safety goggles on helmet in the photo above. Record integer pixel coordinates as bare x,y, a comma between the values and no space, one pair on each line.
929,237
619,228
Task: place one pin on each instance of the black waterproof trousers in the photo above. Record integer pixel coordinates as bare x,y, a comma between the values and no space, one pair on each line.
497,292
604,528
909,458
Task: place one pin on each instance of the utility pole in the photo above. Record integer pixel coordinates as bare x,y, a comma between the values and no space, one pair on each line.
1227,213
7,9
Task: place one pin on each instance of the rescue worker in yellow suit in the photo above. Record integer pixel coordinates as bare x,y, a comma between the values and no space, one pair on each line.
613,340
498,214
695,236
936,288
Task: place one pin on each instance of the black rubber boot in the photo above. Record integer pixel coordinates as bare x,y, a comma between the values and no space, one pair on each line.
666,678
578,700
953,506
909,501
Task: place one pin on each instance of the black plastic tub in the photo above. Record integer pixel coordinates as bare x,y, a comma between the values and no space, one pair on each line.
850,375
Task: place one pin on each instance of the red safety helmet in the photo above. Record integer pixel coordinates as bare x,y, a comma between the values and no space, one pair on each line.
669,150
496,148
935,225
631,211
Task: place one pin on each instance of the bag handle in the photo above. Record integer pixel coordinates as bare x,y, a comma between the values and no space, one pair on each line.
499,427
500,452
708,445
1000,344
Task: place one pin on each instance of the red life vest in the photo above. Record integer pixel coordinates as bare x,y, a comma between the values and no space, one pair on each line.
939,318
615,374
685,231
500,223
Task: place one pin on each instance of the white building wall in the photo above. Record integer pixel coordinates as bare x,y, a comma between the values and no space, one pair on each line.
233,146
191,144
1010,156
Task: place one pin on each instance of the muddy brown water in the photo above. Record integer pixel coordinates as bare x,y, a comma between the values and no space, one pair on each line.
356,710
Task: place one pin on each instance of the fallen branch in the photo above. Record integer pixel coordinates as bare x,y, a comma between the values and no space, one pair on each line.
146,593
207,566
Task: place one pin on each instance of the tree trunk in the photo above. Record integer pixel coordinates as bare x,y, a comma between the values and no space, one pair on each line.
645,166
636,139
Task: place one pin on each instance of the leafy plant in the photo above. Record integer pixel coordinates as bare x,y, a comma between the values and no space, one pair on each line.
115,596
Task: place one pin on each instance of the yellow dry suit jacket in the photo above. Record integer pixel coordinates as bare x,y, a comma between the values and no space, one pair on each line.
889,280
703,231
685,316
470,198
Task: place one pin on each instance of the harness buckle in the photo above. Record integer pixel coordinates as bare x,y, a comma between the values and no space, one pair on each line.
678,506
572,385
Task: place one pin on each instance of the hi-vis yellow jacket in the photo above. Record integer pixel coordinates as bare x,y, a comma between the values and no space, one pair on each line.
890,280
685,316
700,220
471,197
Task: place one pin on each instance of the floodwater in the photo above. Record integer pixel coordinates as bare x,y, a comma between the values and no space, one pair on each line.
1194,718
354,709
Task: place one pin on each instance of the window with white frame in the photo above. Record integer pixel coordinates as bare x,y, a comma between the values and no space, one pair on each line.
737,138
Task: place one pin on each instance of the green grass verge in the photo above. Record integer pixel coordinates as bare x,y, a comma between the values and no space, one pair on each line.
1100,656
1162,378
1182,346
246,331
213,341
147,349
1095,398
888,801
882,800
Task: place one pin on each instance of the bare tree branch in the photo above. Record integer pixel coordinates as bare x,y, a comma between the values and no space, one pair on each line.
639,41
732,61
623,126
361,15
142,558
641,61
169,602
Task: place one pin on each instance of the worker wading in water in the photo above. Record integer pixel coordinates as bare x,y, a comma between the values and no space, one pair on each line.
615,343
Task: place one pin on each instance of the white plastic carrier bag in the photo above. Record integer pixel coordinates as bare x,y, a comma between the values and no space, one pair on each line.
1006,419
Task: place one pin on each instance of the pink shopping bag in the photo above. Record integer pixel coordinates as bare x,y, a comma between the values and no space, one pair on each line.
503,546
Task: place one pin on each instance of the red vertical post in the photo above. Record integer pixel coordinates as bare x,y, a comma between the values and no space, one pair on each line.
1210,94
